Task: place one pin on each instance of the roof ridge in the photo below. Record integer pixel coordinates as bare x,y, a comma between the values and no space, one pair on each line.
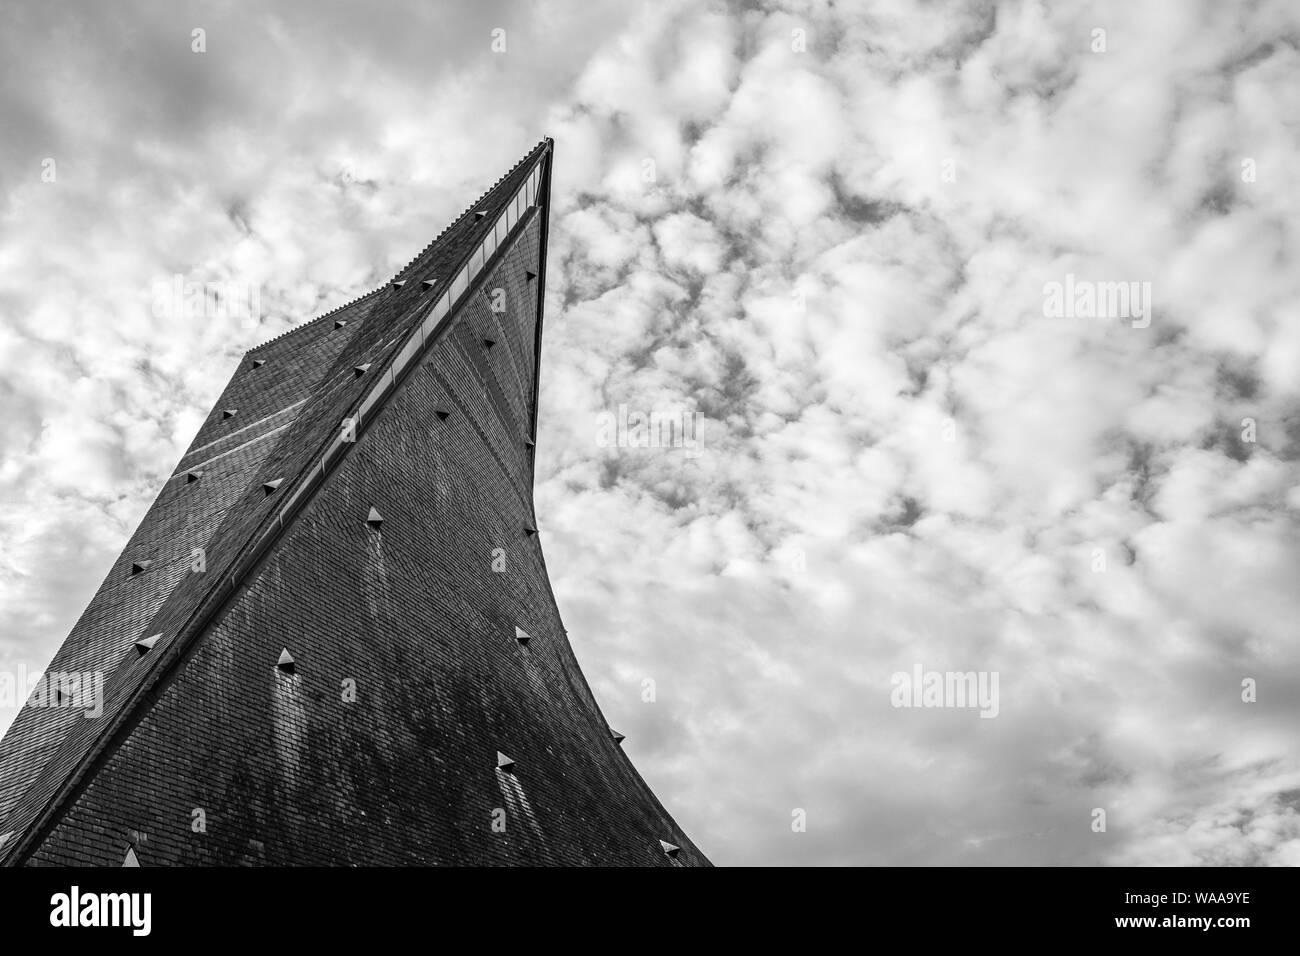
323,315
527,157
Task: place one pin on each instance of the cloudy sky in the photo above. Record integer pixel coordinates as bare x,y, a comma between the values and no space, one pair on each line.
830,232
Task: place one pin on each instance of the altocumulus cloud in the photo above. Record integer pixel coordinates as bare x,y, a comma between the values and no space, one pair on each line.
825,233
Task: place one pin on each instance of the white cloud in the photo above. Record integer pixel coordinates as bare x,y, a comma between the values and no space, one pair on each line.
801,272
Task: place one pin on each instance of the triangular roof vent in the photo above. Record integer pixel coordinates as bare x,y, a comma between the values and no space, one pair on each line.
442,415
360,370
429,283
270,486
193,476
339,323
229,413
286,662
505,763
258,363
669,849
131,859
145,644
618,738
139,567
374,519
521,635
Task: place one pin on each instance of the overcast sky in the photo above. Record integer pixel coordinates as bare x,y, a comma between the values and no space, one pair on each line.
829,230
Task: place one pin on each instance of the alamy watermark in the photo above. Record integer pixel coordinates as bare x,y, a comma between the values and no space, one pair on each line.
655,428
1085,299
955,689
177,298
75,908
65,690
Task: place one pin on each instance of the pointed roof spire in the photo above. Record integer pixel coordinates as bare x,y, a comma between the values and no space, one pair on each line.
145,644
505,763
286,662
669,849
374,519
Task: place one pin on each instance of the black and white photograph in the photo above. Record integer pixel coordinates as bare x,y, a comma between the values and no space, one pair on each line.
650,434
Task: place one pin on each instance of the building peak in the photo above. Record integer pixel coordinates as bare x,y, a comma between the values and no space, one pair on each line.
533,155
327,622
